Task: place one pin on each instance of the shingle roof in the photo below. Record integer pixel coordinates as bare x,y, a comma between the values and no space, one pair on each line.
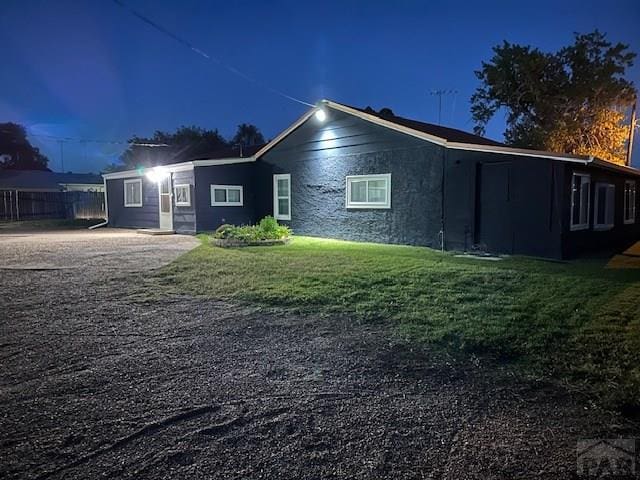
43,180
230,152
449,134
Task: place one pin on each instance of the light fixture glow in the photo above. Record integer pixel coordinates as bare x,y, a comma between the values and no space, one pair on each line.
157,174
321,115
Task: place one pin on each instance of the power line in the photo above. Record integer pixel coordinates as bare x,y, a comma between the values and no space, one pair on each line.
200,52
86,140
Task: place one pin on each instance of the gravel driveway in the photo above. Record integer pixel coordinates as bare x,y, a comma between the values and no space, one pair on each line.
99,381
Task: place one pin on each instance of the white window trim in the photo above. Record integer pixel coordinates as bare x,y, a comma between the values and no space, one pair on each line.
603,226
632,219
227,203
186,203
580,226
383,205
276,212
127,182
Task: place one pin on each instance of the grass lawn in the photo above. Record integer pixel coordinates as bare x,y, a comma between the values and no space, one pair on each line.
578,322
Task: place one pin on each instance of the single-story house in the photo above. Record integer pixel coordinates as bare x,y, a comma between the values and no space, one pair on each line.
353,174
37,194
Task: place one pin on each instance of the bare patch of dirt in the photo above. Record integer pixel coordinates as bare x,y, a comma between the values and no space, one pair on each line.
95,383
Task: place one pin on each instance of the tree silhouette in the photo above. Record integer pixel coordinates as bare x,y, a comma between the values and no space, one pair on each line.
16,152
247,135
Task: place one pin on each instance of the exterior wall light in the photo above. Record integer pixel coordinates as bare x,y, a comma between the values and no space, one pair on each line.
321,115
157,174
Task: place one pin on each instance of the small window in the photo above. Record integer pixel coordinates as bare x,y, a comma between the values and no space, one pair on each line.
604,206
580,201
226,196
282,196
133,193
183,195
369,191
629,201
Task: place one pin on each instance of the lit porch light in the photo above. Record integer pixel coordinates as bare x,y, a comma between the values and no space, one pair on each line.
321,115
157,174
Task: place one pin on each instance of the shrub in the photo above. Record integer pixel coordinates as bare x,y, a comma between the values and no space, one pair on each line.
267,229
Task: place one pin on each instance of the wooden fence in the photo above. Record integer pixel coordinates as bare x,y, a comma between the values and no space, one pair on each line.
17,205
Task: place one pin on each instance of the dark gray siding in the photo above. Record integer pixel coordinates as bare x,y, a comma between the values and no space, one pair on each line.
209,217
184,218
320,156
580,242
133,217
528,219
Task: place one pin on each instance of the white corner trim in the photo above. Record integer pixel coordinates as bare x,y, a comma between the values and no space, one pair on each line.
137,181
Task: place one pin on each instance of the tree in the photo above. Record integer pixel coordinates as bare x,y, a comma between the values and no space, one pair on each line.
164,148
572,101
16,152
247,135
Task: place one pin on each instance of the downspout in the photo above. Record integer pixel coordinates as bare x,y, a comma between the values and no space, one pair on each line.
106,208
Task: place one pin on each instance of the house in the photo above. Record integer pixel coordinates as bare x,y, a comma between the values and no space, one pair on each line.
37,194
353,174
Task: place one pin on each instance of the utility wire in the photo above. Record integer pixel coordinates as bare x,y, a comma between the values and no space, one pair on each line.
85,141
200,52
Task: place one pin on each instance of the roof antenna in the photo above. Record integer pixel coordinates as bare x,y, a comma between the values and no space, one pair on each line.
440,93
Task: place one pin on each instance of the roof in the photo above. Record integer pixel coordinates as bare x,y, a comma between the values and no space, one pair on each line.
44,180
443,136
230,152
447,133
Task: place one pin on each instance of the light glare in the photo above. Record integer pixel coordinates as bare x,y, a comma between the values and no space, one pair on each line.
321,115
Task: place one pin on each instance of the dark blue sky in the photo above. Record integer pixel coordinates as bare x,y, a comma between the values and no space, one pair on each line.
92,70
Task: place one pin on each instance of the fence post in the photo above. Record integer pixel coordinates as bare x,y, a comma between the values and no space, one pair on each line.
17,207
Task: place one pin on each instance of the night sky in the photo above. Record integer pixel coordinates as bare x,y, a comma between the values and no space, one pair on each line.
90,69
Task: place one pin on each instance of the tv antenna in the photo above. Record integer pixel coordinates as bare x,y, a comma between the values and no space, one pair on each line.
439,94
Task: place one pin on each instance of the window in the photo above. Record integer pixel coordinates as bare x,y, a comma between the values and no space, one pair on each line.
133,193
226,196
183,195
629,201
580,201
369,191
604,206
282,197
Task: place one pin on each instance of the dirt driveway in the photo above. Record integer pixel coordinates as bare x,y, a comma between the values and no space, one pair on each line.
97,382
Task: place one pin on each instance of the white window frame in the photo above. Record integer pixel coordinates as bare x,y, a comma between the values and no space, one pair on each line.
276,210
630,201
359,178
227,203
596,204
580,226
130,181
187,202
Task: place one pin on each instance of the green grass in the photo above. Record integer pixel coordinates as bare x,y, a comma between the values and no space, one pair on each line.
576,321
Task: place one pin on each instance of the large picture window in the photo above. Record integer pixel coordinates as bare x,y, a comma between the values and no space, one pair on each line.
580,201
604,206
629,201
369,191
282,196
226,196
133,193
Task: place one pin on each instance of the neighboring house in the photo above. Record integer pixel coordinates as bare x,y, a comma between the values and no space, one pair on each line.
352,174
35,194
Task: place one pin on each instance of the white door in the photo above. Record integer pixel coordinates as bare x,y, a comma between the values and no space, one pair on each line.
166,214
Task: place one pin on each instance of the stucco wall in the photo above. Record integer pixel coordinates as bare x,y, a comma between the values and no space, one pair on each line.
320,156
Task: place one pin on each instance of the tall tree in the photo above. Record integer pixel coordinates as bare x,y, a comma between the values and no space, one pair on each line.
164,147
16,152
574,100
247,135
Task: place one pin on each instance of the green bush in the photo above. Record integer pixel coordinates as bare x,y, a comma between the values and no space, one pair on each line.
267,229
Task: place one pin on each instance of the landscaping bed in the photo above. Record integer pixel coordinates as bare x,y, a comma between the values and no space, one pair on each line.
266,233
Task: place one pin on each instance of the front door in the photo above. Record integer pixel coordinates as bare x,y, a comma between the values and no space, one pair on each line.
494,229
166,214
